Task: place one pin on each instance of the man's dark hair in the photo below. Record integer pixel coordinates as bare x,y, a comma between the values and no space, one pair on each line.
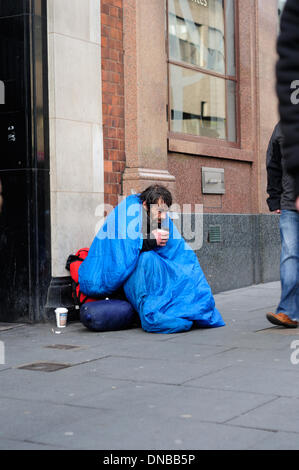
152,194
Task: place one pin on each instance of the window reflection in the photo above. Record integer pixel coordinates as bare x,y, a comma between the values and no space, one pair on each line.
200,104
202,68
196,33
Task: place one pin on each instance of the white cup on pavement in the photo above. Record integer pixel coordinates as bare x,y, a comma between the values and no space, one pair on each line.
61,317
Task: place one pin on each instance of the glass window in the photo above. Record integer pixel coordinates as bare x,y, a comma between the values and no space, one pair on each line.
199,105
202,68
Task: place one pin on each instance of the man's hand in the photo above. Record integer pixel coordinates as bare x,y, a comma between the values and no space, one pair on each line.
278,211
162,236
297,203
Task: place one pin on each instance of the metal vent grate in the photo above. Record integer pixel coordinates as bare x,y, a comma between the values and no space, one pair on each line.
45,366
214,234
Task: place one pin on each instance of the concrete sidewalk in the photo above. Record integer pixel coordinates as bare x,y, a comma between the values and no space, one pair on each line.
228,388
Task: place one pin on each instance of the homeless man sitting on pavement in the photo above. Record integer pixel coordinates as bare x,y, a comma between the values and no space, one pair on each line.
159,272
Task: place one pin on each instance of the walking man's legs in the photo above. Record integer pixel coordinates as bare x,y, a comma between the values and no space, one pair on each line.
287,313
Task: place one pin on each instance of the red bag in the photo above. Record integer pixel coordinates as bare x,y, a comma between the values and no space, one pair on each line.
73,264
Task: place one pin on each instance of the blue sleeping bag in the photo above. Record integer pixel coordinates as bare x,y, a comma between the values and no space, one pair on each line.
166,286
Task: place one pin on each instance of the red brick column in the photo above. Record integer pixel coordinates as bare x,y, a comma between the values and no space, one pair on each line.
113,98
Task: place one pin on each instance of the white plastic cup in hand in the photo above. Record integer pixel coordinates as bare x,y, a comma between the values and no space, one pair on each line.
61,317
163,236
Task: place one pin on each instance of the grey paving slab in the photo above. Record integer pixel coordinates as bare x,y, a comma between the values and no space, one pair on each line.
250,299
146,370
250,318
281,414
139,431
16,356
56,387
278,441
255,379
169,350
232,337
240,312
246,302
23,419
246,357
14,444
164,402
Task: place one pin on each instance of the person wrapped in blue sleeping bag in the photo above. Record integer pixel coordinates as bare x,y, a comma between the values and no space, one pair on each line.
160,273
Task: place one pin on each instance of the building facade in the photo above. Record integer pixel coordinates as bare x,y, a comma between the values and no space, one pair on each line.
200,107
102,99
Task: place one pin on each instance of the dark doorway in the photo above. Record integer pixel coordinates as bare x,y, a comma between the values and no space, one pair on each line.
24,161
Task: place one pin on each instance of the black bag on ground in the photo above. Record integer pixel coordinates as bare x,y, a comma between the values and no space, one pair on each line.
107,315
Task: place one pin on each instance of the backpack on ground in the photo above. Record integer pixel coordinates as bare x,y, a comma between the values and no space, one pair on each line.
73,264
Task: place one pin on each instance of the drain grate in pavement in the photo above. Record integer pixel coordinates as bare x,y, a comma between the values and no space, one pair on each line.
45,366
63,346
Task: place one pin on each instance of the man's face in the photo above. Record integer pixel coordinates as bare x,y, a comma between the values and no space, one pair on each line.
157,211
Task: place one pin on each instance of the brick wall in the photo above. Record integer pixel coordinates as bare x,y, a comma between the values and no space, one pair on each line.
113,97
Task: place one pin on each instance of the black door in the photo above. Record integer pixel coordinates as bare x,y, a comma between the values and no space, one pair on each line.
24,162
